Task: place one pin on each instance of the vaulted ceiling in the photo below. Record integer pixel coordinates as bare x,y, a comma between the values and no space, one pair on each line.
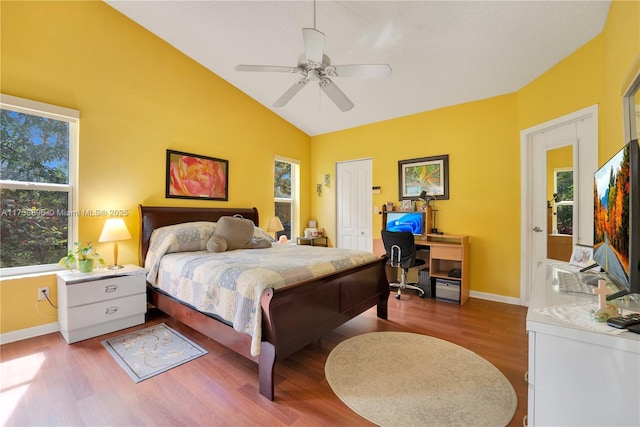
442,52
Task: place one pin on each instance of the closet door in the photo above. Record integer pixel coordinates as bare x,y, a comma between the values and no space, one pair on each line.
354,205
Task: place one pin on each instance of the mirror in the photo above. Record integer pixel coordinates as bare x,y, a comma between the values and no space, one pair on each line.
636,111
631,103
560,203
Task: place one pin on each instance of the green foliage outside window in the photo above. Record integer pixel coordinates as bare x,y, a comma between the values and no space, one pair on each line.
283,195
34,224
564,193
282,180
564,186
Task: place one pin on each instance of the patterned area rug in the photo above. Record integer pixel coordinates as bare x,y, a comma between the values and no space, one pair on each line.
151,351
405,379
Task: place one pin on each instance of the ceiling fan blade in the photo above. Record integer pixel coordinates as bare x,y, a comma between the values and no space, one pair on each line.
313,44
290,93
336,95
268,68
363,70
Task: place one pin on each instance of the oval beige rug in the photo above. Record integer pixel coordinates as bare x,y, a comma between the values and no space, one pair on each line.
406,379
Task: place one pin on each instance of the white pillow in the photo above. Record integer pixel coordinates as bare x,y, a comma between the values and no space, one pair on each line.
184,237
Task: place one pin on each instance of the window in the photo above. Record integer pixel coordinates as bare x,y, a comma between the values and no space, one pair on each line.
285,189
37,177
563,197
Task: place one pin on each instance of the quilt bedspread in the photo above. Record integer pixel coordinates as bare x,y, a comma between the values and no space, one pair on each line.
230,284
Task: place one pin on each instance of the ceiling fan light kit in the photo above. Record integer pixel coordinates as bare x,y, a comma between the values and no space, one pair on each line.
314,65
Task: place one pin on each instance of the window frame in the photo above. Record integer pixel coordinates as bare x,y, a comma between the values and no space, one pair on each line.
72,117
554,212
293,201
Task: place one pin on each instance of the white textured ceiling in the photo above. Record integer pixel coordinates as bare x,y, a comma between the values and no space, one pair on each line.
442,52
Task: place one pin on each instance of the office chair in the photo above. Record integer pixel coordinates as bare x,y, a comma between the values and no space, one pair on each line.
401,252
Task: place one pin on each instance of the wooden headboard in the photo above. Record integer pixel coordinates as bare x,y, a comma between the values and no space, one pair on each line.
152,217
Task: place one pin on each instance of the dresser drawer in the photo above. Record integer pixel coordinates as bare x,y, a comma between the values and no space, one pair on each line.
105,289
106,311
446,252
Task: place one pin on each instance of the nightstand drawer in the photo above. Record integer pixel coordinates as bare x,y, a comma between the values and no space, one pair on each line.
106,311
105,289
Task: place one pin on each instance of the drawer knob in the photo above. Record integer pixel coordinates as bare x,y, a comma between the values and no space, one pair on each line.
110,288
110,310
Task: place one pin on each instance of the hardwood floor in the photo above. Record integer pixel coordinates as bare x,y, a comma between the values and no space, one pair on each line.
46,382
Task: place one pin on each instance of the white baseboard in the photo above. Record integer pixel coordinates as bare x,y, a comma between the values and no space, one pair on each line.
494,297
23,334
36,331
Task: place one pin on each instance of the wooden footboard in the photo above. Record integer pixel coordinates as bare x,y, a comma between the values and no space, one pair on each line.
292,317
297,316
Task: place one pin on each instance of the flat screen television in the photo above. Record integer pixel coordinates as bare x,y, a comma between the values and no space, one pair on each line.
415,222
616,222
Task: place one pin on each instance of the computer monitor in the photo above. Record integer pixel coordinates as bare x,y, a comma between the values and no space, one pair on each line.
415,222
616,222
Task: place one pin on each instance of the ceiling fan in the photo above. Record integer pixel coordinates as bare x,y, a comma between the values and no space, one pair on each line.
314,65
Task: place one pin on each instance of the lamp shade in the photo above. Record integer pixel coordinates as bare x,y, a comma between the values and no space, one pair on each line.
114,230
274,225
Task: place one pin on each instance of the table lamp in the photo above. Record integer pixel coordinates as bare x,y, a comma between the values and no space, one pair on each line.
274,226
114,230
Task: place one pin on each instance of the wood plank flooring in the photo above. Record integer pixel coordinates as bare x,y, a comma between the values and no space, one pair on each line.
46,382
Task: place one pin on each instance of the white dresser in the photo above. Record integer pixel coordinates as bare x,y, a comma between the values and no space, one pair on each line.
92,304
577,376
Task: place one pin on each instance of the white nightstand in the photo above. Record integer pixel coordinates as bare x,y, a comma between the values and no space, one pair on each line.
92,304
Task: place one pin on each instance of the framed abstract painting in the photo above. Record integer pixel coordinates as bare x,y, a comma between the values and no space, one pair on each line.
192,176
430,174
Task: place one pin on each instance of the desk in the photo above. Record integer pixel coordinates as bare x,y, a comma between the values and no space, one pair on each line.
313,241
443,252
448,252
578,376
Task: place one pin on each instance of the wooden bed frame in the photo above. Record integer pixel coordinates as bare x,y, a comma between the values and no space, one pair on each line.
292,317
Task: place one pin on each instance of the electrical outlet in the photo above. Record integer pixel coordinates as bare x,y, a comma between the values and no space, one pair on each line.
42,292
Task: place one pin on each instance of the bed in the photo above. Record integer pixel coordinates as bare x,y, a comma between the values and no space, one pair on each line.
291,316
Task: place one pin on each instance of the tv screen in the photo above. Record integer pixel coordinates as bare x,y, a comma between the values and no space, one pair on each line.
616,222
406,221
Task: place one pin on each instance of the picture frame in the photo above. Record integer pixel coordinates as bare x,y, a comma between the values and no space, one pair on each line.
430,174
407,205
193,176
582,256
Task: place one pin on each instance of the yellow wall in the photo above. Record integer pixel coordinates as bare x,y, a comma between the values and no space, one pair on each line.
477,136
621,56
137,97
483,141
572,84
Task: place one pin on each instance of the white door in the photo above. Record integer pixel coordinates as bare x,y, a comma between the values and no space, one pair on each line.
354,205
580,130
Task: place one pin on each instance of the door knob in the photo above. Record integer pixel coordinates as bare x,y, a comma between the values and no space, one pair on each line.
537,229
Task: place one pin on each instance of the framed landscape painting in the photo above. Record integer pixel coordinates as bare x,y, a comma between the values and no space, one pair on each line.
192,176
430,174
